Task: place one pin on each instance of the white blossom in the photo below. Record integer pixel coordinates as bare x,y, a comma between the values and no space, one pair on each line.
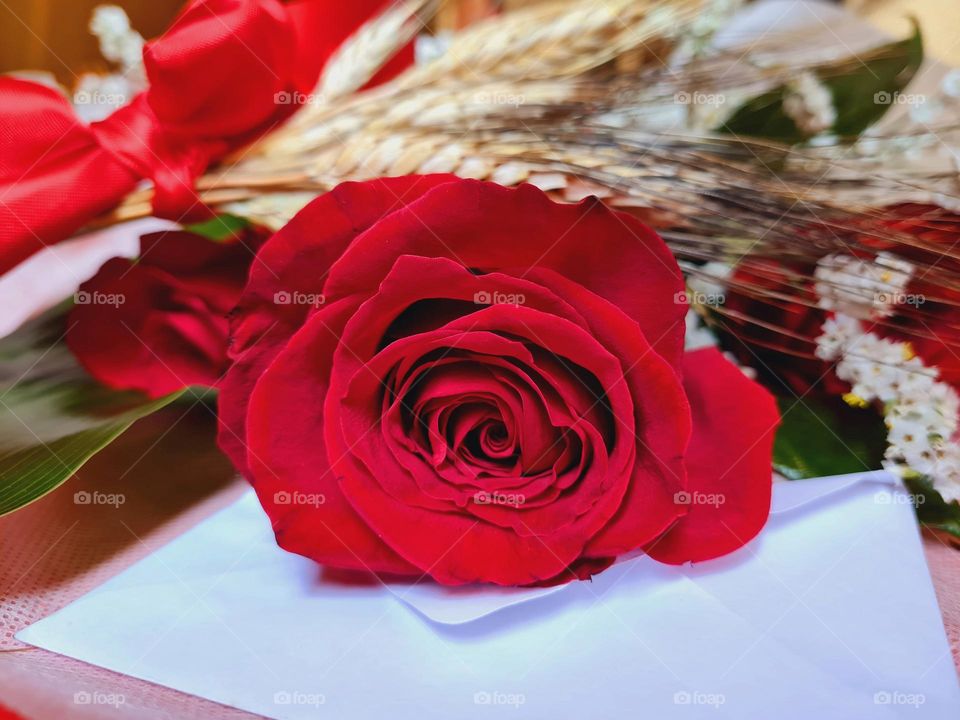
97,95
836,334
809,104
119,43
863,288
920,411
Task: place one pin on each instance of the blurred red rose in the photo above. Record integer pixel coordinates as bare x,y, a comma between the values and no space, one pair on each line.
932,326
159,323
772,315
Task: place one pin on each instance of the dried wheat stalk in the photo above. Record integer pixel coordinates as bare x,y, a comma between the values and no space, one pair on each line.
534,97
557,41
371,47
551,41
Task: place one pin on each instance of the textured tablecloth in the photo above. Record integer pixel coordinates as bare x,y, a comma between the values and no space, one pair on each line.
56,550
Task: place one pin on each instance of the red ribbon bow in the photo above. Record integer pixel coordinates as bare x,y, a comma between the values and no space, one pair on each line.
218,79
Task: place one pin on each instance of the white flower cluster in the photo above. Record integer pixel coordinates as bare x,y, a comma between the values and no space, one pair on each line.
920,411
866,289
97,95
809,104
119,43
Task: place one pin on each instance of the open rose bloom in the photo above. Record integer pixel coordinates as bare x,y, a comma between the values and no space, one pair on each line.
447,378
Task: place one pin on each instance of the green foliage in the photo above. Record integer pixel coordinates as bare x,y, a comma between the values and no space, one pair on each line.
220,228
932,509
863,88
53,416
815,439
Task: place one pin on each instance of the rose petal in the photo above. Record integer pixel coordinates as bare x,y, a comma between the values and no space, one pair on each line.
143,329
662,412
287,454
612,254
295,261
728,462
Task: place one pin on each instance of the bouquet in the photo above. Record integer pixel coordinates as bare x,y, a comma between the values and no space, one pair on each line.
575,286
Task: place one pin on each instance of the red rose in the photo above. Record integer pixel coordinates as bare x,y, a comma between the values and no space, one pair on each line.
933,326
159,323
772,315
447,377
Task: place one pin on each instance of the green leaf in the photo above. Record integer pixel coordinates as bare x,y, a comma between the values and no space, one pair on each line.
222,227
932,509
815,440
763,117
863,88
53,416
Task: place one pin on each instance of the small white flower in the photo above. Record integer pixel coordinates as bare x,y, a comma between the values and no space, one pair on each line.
119,43
838,333
947,472
866,289
809,103
921,412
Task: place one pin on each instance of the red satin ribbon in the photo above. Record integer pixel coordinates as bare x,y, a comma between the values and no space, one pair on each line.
214,77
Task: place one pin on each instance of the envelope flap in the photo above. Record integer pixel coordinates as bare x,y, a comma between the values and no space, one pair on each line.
793,494
461,605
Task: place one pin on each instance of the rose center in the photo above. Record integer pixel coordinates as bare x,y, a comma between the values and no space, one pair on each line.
479,435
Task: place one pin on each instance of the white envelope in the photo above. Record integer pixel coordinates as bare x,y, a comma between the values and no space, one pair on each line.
830,613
